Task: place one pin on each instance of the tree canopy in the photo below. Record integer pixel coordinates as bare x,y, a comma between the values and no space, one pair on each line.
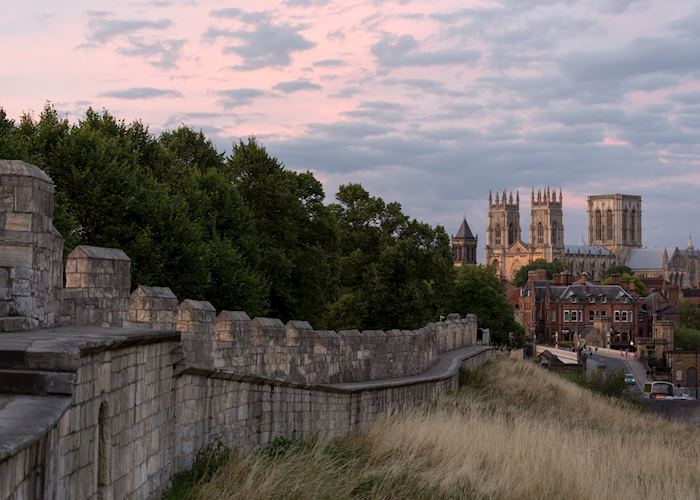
552,268
479,291
244,232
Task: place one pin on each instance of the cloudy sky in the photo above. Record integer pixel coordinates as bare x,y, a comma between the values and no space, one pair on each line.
430,103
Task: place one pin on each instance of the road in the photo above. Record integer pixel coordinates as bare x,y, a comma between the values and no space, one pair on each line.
613,364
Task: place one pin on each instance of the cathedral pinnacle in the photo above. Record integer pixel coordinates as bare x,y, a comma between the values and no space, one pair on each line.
690,242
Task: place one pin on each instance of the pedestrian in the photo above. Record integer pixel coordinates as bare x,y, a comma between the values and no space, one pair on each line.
596,349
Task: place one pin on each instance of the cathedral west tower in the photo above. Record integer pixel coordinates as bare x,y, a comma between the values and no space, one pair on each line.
547,224
503,230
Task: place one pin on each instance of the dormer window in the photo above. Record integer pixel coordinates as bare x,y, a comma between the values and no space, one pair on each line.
592,300
604,299
574,300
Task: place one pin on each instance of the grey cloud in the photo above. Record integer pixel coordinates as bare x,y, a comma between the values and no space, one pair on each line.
335,35
687,97
644,56
264,45
251,17
141,93
329,63
427,86
379,111
296,86
689,25
392,52
163,54
232,98
347,92
102,28
305,3
353,130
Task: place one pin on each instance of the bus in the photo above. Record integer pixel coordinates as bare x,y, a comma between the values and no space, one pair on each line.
658,390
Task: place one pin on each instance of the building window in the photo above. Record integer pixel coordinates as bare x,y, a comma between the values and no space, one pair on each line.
623,316
511,234
616,316
540,233
609,224
497,235
598,225
555,233
566,316
603,314
591,315
624,225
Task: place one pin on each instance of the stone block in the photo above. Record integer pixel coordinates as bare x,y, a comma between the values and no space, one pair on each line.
18,221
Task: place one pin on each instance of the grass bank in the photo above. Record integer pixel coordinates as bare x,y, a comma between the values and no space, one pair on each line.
513,431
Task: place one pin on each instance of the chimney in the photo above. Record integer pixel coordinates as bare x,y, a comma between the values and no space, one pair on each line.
614,279
563,279
537,274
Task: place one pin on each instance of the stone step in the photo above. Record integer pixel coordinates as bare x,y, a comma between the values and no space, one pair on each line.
17,324
36,382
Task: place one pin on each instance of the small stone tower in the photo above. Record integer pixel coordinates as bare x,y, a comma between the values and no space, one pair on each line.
503,230
615,222
547,224
31,250
464,245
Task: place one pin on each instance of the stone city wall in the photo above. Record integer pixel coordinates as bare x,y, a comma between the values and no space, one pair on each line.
121,395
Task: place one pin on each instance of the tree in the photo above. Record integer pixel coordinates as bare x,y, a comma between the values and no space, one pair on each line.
295,231
689,314
394,272
627,279
480,292
552,268
617,270
686,338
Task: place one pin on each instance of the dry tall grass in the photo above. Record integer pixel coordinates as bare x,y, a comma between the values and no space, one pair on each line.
514,431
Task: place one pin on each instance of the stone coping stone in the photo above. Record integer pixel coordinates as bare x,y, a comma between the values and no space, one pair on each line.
447,365
60,349
23,169
25,419
233,316
98,253
161,292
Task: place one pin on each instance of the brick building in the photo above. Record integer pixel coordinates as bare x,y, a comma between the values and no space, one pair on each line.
564,310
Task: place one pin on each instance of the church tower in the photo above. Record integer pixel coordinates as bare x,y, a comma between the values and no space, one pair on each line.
547,225
464,245
615,222
503,230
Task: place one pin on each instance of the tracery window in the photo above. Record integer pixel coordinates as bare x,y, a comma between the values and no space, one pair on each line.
609,224
540,233
598,225
497,235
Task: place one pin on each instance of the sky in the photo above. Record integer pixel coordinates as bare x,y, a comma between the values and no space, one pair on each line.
428,103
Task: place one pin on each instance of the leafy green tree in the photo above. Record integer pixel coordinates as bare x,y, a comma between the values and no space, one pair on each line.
480,292
689,314
394,272
686,338
617,270
627,279
552,268
294,229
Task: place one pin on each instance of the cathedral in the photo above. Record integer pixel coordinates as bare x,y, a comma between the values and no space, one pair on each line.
614,239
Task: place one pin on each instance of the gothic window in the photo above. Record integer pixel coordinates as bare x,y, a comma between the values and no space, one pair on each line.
540,233
555,233
511,234
497,235
609,225
624,226
633,229
598,225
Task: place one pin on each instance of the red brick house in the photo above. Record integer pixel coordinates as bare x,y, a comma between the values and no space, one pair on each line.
564,310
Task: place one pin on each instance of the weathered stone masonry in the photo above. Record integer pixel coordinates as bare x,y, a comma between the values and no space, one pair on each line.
116,391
